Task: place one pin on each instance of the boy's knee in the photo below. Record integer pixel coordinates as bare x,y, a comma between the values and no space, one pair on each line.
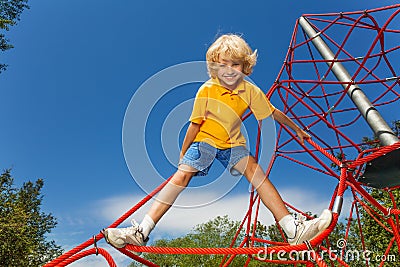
181,178
253,169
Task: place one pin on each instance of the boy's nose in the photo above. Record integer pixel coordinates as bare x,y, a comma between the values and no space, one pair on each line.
230,70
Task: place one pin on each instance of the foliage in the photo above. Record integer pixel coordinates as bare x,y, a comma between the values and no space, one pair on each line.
218,232
376,237
374,142
10,11
23,225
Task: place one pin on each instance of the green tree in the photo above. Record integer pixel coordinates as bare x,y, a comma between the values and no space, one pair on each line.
23,225
10,11
376,238
218,232
374,142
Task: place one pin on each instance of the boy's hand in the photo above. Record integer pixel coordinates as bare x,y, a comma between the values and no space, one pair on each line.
302,135
283,119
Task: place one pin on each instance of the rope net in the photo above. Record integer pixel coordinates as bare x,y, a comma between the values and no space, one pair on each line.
366,43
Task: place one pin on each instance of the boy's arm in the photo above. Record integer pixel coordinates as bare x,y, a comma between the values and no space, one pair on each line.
191,133
283,119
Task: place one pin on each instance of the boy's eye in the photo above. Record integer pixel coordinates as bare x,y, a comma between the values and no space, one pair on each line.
224,65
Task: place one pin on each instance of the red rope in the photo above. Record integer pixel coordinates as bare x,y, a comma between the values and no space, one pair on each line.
237,250
137,258
382,151
334,256
90,242
320,100
92,251
215,251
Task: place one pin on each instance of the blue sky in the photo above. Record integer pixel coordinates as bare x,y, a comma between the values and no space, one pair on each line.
74,70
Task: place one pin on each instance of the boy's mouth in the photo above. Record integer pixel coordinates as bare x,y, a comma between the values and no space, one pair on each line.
230,76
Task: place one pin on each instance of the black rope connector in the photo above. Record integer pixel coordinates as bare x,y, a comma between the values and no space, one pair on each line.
311,250
389,211
95,245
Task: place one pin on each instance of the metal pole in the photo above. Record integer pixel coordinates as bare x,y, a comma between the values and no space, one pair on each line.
381,129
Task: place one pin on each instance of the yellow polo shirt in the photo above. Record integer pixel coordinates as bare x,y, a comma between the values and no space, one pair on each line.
219,111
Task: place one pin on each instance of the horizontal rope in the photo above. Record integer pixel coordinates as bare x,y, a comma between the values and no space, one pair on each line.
384,150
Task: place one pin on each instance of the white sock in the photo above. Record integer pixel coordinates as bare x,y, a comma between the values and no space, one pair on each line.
147,225
288,225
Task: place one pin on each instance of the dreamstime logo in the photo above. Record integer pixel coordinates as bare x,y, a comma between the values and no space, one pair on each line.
341,243
155,123
340,252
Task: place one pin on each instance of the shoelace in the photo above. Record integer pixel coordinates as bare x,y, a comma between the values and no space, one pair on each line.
138,229
297,222
301,219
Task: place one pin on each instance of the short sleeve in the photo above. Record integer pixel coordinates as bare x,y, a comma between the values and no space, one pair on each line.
199,106
259,104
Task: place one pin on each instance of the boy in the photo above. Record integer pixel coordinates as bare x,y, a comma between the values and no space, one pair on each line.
214,133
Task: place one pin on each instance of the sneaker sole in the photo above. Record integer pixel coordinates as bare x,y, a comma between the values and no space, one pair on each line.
105,234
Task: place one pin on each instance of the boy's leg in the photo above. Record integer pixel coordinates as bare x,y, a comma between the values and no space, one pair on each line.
138,234
170,192
166,198
297,231
265,189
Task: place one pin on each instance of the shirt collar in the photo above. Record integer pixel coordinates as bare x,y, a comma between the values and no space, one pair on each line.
240,88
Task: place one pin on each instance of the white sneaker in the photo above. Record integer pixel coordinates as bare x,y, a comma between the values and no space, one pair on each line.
120,237
307,230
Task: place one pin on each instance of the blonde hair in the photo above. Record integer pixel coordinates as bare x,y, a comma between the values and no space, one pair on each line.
235,48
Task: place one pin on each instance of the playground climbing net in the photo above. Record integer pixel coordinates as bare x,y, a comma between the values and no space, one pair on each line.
338,81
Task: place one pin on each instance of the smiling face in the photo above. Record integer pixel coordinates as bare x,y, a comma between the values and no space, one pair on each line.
229,59
229,72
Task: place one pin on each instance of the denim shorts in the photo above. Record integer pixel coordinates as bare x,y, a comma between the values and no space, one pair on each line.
201,155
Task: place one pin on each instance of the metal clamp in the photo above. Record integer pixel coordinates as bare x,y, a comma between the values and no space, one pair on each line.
337,206
95,245
387,216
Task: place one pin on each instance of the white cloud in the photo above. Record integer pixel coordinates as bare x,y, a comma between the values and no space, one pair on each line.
179,221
